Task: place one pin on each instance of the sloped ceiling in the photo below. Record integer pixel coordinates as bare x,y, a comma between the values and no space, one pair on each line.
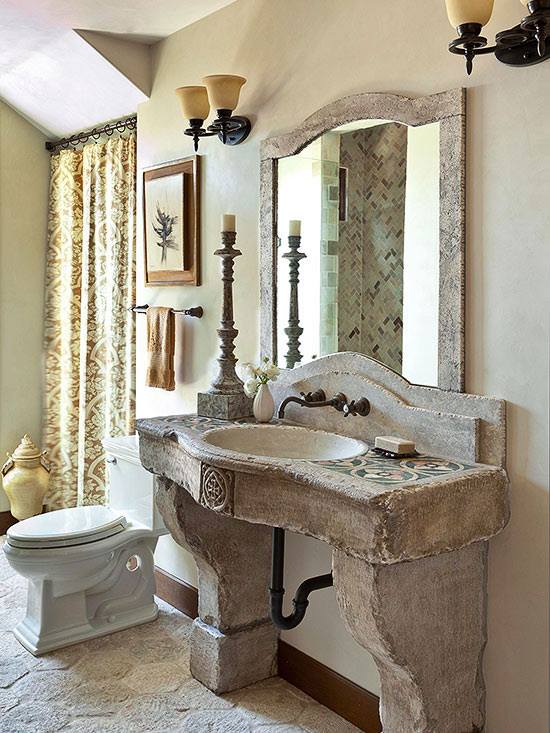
67,66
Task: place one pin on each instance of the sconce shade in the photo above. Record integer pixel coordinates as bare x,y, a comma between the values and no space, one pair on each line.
469,11
194,102
224,90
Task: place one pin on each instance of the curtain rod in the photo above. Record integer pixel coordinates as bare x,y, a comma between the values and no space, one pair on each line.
126,123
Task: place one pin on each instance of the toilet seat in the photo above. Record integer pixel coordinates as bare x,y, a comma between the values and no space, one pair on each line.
66,527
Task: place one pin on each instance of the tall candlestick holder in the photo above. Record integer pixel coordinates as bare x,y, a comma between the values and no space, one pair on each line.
226,398
293,330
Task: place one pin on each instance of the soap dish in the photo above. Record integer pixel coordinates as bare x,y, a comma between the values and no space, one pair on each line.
390,454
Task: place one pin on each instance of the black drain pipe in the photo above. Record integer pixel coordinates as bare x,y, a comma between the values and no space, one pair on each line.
277,590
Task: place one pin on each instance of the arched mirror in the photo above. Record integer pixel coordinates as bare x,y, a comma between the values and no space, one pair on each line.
362,236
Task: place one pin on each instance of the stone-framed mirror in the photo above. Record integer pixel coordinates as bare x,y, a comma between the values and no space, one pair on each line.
378,184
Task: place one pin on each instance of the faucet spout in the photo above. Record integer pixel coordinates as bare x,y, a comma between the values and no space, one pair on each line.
319,399
311,399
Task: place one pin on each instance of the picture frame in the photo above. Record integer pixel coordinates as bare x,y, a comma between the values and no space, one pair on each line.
171,222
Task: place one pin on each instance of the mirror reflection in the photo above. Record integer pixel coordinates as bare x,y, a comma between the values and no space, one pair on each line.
358,247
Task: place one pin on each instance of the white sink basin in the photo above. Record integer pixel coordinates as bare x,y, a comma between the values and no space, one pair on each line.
285,441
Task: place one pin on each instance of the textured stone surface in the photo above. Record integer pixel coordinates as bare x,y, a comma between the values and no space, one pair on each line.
12,670
410,556
8,700
233,642
215,721
98,665
94,691
449,108
224,406
229,661
464,426
95,697
156,677
380,521
264,698
424,624
34,717
194,696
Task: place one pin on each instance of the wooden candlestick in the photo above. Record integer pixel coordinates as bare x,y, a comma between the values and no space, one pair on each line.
226,398
293,330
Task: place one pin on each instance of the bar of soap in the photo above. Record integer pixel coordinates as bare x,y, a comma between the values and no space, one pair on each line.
391,443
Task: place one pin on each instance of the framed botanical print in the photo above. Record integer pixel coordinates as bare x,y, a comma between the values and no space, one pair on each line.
171,220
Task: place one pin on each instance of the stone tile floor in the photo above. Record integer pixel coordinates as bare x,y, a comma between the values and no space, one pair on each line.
137,680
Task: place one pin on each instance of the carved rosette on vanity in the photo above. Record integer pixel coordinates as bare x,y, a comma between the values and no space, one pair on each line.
216,489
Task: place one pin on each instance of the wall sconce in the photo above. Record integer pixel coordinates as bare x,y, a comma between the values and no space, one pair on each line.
221,91
522,45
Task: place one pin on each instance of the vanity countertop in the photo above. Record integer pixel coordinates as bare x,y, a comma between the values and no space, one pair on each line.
382,509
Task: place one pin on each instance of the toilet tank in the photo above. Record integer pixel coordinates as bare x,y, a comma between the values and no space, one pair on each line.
130,487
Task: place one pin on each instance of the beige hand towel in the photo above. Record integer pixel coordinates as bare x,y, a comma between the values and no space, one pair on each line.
161,341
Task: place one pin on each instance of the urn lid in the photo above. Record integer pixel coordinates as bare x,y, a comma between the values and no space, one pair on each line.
26,450
26,455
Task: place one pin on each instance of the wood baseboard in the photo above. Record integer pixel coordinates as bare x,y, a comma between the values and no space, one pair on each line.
177,593
323,684
6,520
331,689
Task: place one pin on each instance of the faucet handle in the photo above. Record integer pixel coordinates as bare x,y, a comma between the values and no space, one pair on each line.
357,407
362,406
317,396
340,402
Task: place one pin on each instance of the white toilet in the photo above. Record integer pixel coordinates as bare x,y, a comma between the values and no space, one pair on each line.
90,569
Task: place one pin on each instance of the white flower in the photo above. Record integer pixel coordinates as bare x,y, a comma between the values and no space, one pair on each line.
251,387
248,368
272,372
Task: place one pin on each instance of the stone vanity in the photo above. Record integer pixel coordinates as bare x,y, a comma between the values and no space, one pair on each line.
409,536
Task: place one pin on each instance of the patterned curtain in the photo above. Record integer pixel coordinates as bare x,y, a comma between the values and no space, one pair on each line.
89,333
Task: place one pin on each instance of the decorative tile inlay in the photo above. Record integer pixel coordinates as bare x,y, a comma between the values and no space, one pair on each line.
393,470
216,490
369,466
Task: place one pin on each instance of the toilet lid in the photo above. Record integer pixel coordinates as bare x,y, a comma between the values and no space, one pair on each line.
67,526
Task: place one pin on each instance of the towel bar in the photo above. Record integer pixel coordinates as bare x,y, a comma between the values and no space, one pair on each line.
193,312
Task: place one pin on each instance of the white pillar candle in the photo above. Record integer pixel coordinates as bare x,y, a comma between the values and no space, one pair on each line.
228,223
294,227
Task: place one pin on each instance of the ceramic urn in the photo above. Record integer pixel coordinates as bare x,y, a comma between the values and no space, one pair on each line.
25,478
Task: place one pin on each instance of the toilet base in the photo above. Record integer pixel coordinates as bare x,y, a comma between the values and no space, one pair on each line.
41,644
86,591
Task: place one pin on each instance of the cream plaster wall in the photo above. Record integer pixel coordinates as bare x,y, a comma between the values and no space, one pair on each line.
298,56
24,177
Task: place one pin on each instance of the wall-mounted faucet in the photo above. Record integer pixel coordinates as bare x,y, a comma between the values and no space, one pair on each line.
319,399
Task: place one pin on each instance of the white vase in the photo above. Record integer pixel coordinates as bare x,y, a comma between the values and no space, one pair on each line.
263,406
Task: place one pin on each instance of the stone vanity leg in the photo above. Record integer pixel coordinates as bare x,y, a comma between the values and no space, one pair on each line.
233,642
424,623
